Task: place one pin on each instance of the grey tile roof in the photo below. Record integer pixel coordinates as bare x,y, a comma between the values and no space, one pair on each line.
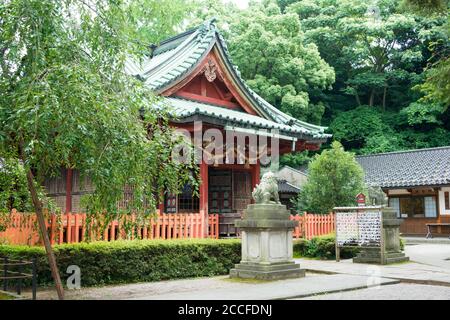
175,58
411,168
286,187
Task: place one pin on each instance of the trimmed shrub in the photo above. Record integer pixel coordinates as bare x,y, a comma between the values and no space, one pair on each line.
118,262
323,247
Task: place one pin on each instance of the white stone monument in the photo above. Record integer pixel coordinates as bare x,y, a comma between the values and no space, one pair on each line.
266,237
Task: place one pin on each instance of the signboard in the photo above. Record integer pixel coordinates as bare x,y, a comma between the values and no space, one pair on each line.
359,227
360,199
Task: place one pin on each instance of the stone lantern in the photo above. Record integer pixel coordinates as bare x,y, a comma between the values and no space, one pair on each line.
266,232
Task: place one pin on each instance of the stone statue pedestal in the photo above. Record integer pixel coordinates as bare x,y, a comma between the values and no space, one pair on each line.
266,244
390,251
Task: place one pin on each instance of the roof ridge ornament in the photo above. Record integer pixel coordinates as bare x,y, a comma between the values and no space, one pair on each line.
206,27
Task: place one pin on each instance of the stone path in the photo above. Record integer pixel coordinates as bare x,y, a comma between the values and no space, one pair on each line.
437,255
222,288
402,291
428,266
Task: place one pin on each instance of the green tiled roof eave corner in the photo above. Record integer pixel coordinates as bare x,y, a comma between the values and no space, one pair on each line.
196,46
266,108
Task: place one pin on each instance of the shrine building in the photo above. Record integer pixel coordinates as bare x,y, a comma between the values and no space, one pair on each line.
194,74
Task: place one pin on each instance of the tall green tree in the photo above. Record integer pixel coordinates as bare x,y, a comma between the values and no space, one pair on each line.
437,83
65,101
334,179
270,51
381,55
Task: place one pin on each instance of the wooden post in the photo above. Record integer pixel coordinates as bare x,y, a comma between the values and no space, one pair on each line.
338,253
204,196
69,190
382,239
77,227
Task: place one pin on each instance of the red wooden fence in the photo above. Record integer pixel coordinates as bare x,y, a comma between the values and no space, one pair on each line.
22,228
313,225
68,228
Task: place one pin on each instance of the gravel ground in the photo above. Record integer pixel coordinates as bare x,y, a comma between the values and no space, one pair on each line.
401,291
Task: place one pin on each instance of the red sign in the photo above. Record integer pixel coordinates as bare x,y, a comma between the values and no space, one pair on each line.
361,200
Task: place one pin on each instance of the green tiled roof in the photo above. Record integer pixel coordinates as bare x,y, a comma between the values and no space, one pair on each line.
175,58
183,108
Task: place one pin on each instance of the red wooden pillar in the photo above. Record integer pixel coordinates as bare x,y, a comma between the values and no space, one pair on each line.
255,174
204,195
68,190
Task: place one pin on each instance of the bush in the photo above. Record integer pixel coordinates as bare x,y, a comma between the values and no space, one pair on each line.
323,247
117,262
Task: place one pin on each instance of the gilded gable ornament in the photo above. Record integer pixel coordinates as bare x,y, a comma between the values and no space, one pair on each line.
210,71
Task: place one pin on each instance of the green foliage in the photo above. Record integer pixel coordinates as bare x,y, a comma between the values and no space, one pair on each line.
381,53
323,247
269,49
334,179
65,101
14,193
354,127
116,262
420,113
296,159
151,21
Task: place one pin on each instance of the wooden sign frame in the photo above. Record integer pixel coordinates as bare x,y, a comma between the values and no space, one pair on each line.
358,210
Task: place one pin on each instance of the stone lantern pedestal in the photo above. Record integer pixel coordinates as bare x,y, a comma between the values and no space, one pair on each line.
266,244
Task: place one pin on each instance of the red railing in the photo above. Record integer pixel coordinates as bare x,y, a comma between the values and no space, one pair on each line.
21,228
312,225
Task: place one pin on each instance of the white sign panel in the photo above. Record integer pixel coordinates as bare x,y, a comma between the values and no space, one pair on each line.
361,228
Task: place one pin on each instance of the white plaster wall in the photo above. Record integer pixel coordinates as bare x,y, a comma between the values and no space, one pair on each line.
442,210
293,177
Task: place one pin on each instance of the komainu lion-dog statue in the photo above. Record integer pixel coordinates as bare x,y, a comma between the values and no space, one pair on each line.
267,191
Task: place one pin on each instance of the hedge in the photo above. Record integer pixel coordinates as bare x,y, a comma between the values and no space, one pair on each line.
118,262
322,247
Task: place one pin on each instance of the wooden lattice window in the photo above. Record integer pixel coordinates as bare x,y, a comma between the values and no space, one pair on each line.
447,200
187,202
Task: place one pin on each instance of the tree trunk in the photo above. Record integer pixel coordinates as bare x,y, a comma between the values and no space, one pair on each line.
372,97
41,221
384,98
357,99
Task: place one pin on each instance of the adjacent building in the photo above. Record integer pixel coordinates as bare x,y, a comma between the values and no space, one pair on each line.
417,183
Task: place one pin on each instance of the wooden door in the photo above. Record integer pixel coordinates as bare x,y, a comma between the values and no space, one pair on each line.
242,189
220,191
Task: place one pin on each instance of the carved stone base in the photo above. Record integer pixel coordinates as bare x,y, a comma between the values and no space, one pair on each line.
373,255
288,270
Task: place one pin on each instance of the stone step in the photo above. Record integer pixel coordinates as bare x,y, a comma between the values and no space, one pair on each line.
268,268
397,260
377,260
266,275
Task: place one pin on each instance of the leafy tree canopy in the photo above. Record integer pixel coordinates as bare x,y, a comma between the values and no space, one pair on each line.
334,179
66,102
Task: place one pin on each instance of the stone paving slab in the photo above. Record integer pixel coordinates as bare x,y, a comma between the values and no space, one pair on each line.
423,240
402,291
283,289
410,271
221,288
